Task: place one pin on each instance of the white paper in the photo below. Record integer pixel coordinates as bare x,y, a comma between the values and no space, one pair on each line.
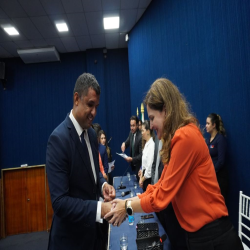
123,155
111,164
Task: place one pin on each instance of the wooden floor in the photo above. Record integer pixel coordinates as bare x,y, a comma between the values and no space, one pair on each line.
30,241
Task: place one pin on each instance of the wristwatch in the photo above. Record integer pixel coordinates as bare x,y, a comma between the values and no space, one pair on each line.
129,209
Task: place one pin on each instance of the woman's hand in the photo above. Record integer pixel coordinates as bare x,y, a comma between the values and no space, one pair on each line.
141,182
118,213
139,173
105,177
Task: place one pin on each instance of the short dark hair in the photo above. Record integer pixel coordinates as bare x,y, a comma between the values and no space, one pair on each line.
134,118
84,82
97,128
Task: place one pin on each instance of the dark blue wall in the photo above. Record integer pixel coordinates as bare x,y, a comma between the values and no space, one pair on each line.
202,47
39,96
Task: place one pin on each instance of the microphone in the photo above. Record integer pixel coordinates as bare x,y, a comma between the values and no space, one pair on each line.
109,140
121,186
125,193
158,242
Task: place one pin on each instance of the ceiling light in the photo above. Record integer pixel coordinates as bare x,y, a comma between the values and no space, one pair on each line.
62,27
11,31
111,22
126,37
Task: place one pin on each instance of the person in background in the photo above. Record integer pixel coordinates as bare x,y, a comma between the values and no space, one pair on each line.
217,146
102,169
102,140
102,149
148,146
140,123
74,177
134,141
188,179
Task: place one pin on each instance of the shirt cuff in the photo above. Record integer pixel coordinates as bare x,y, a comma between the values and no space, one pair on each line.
98,212
103,186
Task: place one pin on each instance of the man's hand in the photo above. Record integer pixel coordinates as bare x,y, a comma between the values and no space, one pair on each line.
106,208
128,159
123,147
108,192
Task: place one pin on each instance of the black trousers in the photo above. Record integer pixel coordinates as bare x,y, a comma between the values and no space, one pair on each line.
175,233
217,235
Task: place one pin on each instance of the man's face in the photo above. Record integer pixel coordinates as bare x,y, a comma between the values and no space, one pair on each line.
133,126
85,108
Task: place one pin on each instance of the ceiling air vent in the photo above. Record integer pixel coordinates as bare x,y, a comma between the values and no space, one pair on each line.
39,55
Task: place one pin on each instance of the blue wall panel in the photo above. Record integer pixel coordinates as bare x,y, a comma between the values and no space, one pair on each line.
202,47
39,96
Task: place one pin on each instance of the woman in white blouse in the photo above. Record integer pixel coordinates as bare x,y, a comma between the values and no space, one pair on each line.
148,146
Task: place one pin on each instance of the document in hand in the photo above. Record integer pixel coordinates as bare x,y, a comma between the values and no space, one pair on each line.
111,164
123,155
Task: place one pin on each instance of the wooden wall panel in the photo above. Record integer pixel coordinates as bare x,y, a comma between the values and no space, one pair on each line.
36,202
14,183
49,206
1,211
24,200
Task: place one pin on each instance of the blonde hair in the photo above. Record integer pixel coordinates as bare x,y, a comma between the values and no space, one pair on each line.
163,94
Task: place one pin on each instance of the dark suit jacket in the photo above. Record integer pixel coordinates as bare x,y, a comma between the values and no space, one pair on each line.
104,157
136,160
73,191
160,166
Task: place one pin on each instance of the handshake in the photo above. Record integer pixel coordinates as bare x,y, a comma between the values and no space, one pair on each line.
112,210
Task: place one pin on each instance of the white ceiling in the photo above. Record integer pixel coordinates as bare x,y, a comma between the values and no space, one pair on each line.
35,22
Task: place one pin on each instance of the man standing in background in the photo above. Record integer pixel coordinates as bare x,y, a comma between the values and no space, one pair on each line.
134,141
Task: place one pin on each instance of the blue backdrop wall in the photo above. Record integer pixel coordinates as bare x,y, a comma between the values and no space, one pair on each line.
202,47
39,96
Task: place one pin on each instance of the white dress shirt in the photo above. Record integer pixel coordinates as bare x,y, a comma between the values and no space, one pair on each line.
148,157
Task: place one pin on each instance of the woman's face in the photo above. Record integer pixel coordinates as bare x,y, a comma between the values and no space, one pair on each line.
143,132
209,126
140,124
103,139
157,119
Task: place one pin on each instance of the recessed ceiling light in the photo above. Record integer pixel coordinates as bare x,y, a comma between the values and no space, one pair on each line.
11,31
62,27
111,22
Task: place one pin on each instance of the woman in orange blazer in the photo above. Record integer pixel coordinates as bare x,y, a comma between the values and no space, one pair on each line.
188,179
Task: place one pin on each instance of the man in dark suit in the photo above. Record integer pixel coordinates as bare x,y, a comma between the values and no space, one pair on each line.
167,216
134,141
157,165
75,181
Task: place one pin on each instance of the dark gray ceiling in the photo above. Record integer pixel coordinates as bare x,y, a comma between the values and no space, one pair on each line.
35,21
